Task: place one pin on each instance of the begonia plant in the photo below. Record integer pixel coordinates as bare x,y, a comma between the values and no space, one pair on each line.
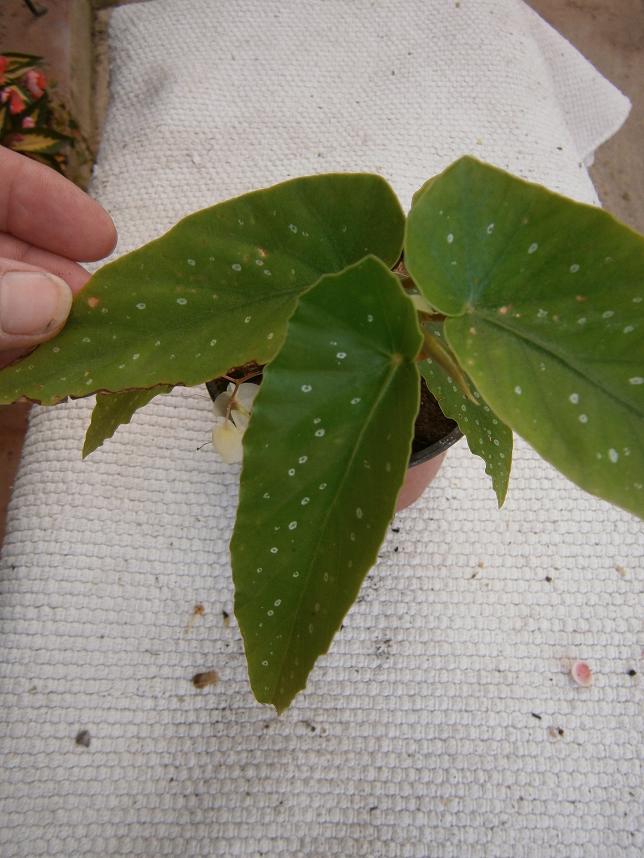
521,310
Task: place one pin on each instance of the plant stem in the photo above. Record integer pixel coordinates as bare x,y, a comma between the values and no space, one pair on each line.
247,377
439,352
237,382
410,287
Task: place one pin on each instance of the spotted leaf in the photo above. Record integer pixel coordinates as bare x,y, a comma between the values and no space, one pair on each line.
486,434
325,455
546,304
214,292
114,409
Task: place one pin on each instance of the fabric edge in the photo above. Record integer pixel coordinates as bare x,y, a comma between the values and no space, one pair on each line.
592,89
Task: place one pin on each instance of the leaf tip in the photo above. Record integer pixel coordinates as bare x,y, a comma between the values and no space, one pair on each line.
88,446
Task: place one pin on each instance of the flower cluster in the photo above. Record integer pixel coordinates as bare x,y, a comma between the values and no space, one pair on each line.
232,414
26,116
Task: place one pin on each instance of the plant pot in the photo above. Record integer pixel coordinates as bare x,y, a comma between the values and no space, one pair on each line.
423,467
424,463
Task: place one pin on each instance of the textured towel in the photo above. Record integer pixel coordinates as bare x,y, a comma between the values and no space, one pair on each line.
443,721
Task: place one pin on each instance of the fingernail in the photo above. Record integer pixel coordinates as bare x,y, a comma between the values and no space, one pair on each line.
33,302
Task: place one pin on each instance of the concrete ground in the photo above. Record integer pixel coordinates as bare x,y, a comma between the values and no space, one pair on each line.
610,33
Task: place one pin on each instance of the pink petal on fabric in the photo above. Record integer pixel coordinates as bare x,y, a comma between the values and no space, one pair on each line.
582,674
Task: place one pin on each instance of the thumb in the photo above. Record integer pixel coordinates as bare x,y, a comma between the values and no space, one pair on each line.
34,305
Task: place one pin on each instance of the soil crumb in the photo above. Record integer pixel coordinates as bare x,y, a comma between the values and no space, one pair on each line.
203,680
197,611
83,738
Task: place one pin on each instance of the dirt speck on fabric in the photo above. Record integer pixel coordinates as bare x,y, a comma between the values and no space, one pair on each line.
83,739
203,680
197,611
383,648
480,565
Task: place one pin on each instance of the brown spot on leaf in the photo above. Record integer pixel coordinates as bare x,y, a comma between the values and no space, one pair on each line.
93,301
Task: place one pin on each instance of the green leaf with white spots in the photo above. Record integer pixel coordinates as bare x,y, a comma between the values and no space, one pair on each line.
486,434
325,456
546,299
214,292
113,410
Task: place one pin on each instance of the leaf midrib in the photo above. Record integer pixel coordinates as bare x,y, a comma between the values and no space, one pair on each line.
322,530
542,347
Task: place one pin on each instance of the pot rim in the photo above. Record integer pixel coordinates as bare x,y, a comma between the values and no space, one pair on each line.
435,449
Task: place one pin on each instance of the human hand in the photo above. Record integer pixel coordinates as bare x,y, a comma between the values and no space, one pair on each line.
47,225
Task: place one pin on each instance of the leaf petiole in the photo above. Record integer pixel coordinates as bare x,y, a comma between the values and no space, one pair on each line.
237,382
435,350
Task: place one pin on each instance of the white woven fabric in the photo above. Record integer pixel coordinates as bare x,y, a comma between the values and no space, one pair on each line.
443,721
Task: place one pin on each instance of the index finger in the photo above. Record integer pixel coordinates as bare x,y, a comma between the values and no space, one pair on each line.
43,208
